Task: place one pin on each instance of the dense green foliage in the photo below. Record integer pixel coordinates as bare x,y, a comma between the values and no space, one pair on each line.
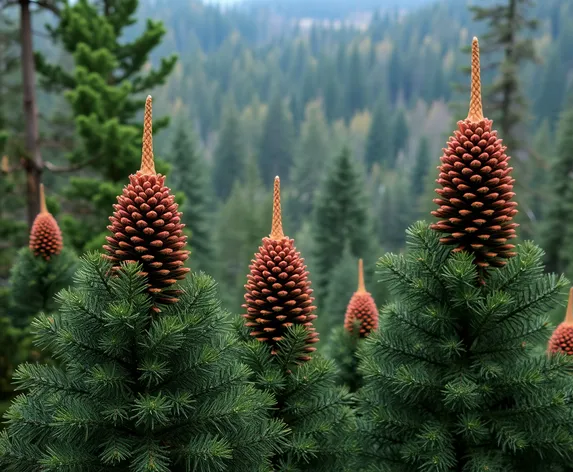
343,350
134,391
463,353
317,412
34,282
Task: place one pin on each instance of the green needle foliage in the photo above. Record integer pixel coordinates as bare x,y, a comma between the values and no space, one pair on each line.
452,380
342,349
34,283
137,391
317,412
104,90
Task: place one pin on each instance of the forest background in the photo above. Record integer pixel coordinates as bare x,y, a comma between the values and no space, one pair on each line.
350,102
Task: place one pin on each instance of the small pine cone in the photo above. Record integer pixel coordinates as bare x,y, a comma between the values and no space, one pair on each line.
45,236
562,339
278,293
147,229
363,309
476,210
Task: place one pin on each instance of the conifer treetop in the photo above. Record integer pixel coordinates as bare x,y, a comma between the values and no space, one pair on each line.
277,226
43,206
361,285
147,161
476,112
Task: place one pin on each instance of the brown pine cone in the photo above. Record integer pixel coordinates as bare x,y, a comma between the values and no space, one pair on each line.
45,236
361,309
146,227
278,293
476,210
562,338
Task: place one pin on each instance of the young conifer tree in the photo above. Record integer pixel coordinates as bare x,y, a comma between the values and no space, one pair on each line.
149,377
452,381
360,320
279,322
41,270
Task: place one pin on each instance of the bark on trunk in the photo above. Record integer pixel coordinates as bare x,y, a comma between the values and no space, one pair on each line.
34,162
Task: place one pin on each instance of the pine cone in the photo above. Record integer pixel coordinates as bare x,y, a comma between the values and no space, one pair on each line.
147,228
361,308
278,293
475,207
45,235
562,338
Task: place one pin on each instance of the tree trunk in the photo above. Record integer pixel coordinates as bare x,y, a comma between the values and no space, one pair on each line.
34,164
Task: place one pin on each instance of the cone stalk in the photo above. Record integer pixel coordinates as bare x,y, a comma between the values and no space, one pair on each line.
361,285
476,111
147,161
277,226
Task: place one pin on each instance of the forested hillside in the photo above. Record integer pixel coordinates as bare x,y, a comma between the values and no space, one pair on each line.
257,91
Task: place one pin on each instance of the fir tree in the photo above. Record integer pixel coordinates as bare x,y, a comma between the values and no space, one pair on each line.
279,321
380,144
229,157
557,239
309,163
340,218
400,134
149,377
396,211
192,180
360,319
420,167
452,381
41,270
103,90
509,34
276,150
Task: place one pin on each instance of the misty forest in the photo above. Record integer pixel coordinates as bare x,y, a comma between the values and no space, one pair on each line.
286,235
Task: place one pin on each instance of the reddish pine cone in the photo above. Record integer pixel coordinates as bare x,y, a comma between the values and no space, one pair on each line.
146,226
562,339
475,207
361,308
45,235
147,229
278,293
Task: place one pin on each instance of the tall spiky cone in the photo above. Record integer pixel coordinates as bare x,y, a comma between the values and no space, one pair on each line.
45,235
361,308
146,226
475,199
278,293
562,338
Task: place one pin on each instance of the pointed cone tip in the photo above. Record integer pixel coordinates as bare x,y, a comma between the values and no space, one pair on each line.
147,160
569,312
43,206
476,111
361,285
277,226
